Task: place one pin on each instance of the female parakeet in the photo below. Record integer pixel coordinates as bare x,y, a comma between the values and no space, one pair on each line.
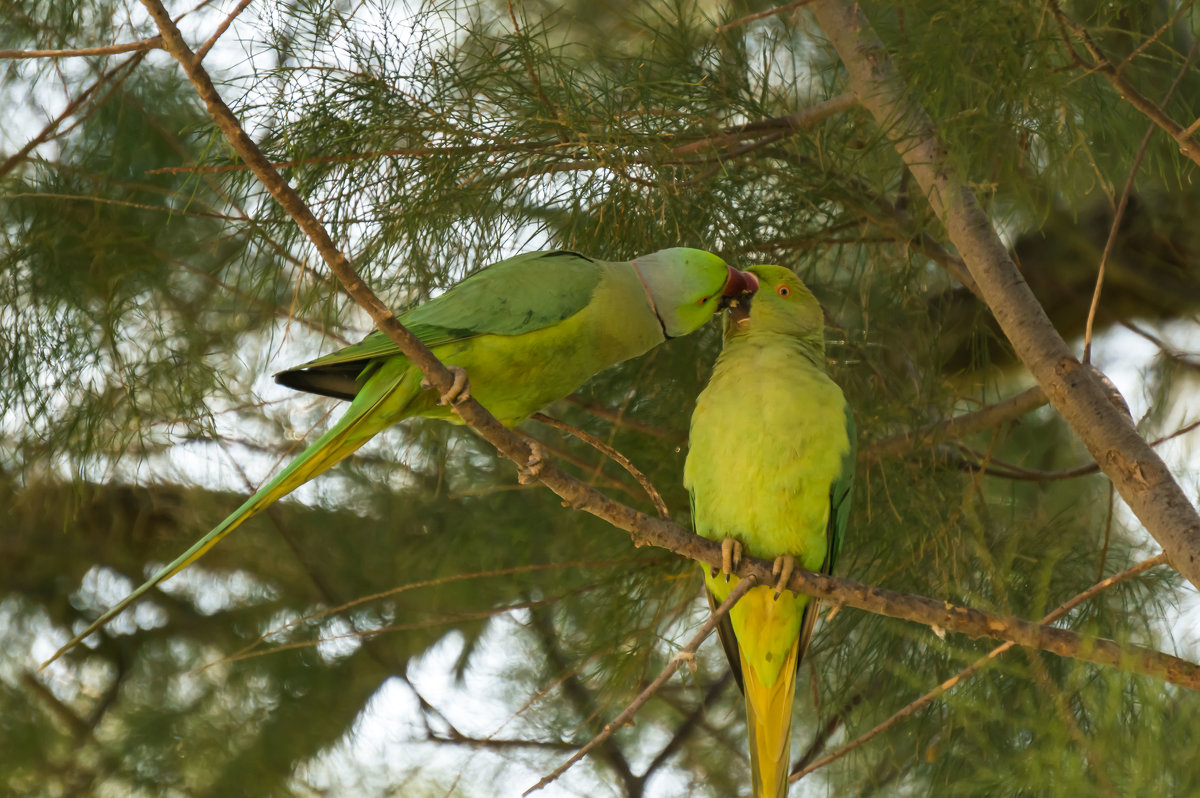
769,468
527,331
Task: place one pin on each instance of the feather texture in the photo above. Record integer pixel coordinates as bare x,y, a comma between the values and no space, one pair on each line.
527,331
770,464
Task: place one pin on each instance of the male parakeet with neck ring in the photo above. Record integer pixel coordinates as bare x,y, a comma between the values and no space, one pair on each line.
528,331
769,468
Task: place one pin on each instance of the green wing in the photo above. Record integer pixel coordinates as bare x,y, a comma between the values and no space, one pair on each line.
839,496
835,530
507,298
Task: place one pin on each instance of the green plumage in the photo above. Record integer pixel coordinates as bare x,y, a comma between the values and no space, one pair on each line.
527,331
770,463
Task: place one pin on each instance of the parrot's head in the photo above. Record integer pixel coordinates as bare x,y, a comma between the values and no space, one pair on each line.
688,286
782,304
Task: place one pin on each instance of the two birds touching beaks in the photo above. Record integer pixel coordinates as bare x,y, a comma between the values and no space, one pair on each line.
771,453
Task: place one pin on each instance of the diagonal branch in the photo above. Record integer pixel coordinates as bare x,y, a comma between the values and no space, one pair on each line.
1152,110
1139,475
1126,192
770,12
952,428
220,31
656,498
578,695
975,667
685,655
651,531
85,96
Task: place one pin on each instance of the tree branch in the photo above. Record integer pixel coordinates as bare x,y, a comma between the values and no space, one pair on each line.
153,43
49,131
1119,214
591,440
1152,110
1138,474
975,667
646,530
770,12
220,31
957,427
686,654
577,693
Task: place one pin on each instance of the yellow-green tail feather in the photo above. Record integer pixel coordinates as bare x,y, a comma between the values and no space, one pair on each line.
769,725
360,423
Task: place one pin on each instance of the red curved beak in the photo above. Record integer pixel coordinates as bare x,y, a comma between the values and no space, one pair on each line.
740,283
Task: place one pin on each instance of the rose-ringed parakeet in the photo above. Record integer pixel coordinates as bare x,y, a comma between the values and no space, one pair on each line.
527,331
769,468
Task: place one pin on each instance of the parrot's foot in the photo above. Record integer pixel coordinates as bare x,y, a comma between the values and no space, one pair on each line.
731,557
459,391
782,569
528,473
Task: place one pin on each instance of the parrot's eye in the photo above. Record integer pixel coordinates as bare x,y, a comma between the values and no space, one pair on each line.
783,291
703,300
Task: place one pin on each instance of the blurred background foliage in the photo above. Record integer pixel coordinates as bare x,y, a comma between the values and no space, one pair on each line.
143,304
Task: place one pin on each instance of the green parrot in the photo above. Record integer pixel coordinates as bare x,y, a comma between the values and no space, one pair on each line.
528,330
769,468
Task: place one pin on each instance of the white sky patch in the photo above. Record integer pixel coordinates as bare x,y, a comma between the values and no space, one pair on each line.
1124,356
387,739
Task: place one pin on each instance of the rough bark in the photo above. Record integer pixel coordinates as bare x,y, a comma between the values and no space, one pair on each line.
1139,475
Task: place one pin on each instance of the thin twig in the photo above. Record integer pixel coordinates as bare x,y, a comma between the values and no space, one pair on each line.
1122,205
620,420
647,530
1148,107
595,471
48,132
791,123
220,31
688,726
419,585
1005,470
591,440
975,667
770,12
686,654
1139,474
957,427
1141,48
153,43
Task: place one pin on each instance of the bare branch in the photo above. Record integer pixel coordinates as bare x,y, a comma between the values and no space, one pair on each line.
1151,109
591,440
220,31
153,43
1120,212
998,468
50,130
975,667
686,654
1140,476
647,530
791,123
770,12
1141,48
960,426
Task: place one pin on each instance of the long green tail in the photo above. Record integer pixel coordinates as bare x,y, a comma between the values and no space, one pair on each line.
360,423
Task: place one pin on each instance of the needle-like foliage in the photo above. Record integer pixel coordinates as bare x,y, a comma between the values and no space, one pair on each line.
148,284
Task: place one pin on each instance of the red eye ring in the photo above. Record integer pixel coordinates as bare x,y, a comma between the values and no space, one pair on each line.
783,291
